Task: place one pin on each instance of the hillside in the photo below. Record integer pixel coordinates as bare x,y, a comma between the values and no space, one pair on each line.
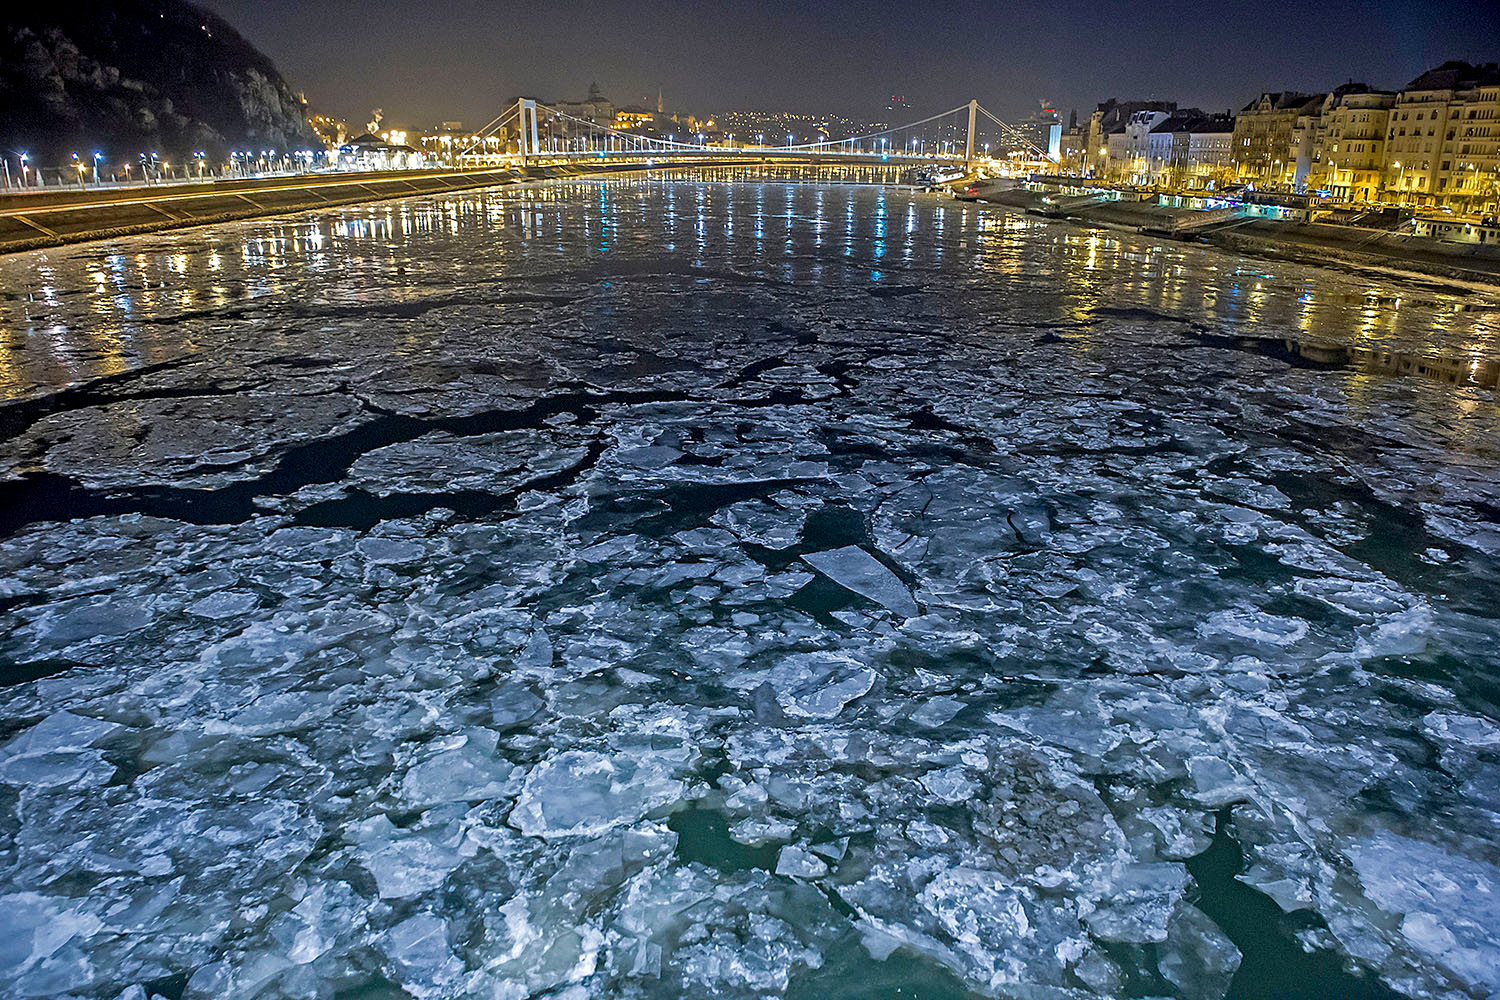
137,75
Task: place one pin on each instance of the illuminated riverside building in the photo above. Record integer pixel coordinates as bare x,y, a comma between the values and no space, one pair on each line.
1350,156
1190,150
1443,140
1108,145
1272,135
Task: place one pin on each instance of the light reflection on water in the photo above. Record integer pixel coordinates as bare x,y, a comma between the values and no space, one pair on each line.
81,312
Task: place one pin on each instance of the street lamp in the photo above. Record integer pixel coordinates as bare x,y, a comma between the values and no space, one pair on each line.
97,156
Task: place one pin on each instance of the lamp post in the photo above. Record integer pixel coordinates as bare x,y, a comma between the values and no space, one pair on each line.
97,156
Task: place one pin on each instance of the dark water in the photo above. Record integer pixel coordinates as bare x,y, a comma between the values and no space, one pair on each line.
702,586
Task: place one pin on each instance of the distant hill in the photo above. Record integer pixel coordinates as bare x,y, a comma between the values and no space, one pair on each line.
132,76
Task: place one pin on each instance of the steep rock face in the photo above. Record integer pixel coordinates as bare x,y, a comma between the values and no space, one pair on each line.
137,75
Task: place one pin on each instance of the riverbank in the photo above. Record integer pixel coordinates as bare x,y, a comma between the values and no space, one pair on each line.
53,217
1349,247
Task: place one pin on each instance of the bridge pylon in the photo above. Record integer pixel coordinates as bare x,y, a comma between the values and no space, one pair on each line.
530,144
969,141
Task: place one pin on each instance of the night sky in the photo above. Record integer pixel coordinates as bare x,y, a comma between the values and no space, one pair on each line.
427,61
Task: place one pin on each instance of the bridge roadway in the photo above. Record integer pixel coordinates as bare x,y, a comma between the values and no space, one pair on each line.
56,216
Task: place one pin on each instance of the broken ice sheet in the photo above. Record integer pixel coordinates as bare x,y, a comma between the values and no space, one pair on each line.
449,753
852,568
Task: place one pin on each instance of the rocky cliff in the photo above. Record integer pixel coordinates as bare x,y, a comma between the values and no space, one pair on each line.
134,76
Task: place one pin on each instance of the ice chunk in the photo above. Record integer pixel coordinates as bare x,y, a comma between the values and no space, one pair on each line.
391,551
582,793
514,703
647,961
949,784
754,831
1449,904
1196,957
90,621
1469,731
935,712
818,686
409,867
1139,904
61,732
1216,783
418,947
225,604
976,908
798,862
832,850
35,954
761,522
469,773
1254,626
56,751
852,568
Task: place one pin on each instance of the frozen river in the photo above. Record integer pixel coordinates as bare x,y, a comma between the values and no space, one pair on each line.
707,588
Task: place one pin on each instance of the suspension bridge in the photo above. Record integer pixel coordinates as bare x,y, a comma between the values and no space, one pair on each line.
529,133
526,140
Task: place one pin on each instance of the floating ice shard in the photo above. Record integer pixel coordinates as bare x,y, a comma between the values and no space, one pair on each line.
409,867
818,686
936,712
514,703
1216,783
852,568
39,953
95,620
391,551
418,948
60,732
1196,957
949,784
798,862
1139,904
1254,626
583,793
224,604
1449,904
762,523
465,774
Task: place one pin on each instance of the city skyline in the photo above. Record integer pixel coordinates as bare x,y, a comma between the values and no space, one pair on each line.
823,57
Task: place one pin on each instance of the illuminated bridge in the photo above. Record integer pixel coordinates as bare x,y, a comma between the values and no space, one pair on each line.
544,135
540,141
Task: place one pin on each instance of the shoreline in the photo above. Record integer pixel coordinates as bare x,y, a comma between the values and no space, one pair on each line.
1345,248
53,218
